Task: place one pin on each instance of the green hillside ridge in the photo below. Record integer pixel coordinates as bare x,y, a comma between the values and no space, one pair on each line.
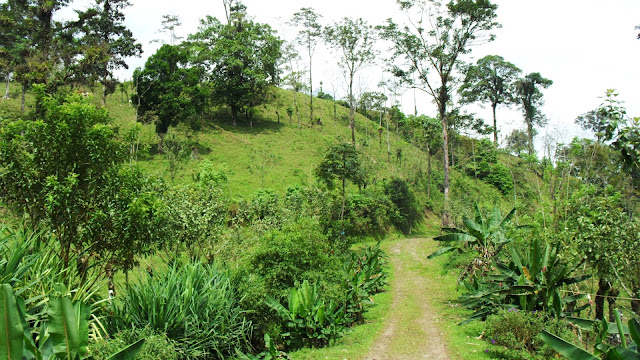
272,155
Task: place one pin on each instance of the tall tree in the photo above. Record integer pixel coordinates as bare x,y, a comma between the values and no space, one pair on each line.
309,37
170,22
163,88
241,60
354,39
454,27
490,80
110,42
529,96
341,162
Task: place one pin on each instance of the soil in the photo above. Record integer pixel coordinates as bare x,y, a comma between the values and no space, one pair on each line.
411,331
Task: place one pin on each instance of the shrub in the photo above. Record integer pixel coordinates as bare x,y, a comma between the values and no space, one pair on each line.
157,346
500,177
365,276
309,320
194,304
299,251
197,216
517,331
283,259
402,197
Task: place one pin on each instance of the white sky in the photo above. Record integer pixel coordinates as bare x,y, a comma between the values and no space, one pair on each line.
584,46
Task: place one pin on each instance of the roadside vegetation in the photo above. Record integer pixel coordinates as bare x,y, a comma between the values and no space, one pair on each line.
216,206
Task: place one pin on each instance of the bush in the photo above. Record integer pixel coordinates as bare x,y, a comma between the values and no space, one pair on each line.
309,320
500,177
157,346
402,197
517,331
194,304
365,276
263,211
299,251
282,259
197,217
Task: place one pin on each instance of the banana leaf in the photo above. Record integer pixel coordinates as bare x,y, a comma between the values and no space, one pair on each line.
634,331
11,330
64,329
567,349
128,353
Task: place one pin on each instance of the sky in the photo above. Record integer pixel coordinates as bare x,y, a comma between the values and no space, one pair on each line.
584,46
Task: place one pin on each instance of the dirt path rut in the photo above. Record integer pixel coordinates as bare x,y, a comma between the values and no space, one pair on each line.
411,330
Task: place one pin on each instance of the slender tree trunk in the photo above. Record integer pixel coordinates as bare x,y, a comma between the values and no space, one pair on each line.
611,299
310,89
6,89
234,115
428,172
445,148
495,125
603,289
104,88
22,101
530,135
352,112
388,144
635,304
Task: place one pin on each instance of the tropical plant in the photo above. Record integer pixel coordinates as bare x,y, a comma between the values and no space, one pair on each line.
484,236
309,320
195,304
271,352
365,276
64,335
532,280
627,350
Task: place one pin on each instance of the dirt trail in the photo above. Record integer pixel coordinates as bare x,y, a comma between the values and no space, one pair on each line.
410,331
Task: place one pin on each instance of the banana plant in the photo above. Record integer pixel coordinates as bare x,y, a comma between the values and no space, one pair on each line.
365,276
65,334
309,320
532,280
485,236
627,350
271,352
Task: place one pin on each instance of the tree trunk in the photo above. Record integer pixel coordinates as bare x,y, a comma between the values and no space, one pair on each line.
104,93
611,299
445,148
310,90
428,172
388,144
635,304
6,89
495,125
352,112
603,289
234,115
22,101
530,135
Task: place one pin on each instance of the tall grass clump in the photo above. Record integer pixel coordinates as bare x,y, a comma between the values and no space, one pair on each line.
195,304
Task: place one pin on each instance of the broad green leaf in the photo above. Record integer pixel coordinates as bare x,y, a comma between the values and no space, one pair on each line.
128,353
11,330
63,328
565,348
457,237
584,324
634,331
441,251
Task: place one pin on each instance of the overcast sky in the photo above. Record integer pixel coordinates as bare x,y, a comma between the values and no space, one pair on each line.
584,46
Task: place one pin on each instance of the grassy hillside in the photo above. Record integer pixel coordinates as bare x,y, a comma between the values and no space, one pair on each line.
266,153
